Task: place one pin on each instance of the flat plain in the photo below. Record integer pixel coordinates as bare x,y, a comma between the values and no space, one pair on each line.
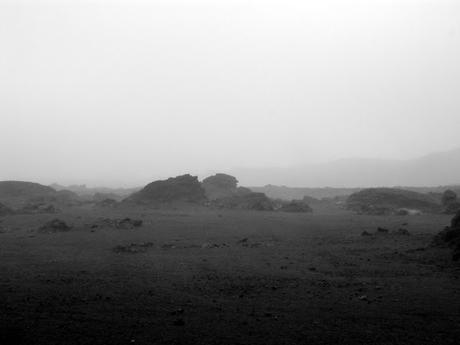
204,276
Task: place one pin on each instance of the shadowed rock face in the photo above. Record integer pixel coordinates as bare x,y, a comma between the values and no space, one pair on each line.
185,188
389,200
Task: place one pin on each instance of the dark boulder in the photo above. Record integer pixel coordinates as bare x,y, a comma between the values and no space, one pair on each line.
55,225
382,231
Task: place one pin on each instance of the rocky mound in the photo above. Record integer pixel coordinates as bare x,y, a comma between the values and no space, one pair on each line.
245,201
297,206
450,202
450,236
220,186
5,211
385,201
185,188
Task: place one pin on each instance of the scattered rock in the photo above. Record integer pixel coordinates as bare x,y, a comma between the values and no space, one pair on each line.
124,223
382,230
55,225
401,232
133,248
213,245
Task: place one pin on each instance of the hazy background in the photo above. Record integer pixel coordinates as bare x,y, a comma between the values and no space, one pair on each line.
124,92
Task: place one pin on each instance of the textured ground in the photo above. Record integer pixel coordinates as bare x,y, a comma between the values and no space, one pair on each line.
226,277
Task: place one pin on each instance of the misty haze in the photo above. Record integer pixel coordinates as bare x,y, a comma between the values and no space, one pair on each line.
229,172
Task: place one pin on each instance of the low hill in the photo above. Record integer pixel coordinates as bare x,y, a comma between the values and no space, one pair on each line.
390,200
18,193
185,188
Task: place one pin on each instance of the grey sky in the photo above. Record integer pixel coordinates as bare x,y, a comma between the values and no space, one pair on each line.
123,92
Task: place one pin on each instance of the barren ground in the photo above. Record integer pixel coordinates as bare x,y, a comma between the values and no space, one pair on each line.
226,277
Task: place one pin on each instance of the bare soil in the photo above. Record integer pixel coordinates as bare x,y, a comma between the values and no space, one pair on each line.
200,276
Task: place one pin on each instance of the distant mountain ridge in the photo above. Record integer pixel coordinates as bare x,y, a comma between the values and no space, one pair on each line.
436,169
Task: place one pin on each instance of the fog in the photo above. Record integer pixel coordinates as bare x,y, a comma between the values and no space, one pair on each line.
120,93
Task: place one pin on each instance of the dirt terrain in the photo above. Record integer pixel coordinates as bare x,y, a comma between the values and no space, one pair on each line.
202,276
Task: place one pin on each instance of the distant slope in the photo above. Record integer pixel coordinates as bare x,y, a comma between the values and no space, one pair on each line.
298,193
383,200
83,190
17,193
432,170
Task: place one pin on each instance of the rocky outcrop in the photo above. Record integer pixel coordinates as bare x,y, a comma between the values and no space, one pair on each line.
220,186
450,236
185,188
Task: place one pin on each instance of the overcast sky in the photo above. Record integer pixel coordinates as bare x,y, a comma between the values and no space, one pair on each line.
124,92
